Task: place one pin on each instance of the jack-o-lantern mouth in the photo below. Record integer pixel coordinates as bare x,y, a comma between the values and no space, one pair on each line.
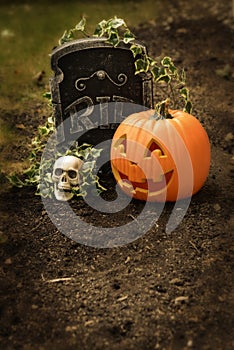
149,172
149,186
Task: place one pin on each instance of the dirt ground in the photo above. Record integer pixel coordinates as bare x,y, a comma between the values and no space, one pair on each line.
162,291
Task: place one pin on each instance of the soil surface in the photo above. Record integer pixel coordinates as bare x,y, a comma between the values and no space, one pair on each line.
163,290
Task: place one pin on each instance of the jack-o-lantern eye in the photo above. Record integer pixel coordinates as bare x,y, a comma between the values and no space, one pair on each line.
154,146
121,144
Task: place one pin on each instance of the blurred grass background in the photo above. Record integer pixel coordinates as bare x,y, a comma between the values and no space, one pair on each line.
28,33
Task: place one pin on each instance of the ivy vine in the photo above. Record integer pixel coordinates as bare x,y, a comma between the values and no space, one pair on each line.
44,184
164,73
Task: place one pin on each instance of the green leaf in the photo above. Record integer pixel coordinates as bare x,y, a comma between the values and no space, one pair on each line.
167,62
184,92
96,153
188,107
136,50
88,166
15,181
183,76
141,65
152,62
100,28
155,72
116,23
51,121
47,95
113,38
68,35
81,25
43,130
166,78
128,37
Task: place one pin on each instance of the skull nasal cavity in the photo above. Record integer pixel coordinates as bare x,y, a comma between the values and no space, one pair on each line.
64,178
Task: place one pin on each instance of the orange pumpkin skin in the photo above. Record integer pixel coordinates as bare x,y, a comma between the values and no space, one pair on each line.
160,160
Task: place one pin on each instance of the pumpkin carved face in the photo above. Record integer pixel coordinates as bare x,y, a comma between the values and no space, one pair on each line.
158,160
142,169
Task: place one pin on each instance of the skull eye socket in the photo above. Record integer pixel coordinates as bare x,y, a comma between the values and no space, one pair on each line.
71,174
58,171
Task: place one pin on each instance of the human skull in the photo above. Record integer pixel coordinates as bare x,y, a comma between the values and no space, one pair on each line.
66,177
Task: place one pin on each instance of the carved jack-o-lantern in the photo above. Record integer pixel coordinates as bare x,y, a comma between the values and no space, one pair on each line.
160,159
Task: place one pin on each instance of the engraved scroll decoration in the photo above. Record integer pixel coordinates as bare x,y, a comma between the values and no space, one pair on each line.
101,75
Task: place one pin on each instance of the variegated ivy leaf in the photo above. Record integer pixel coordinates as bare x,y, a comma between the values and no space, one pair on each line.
116,23
100,29
188,107
81,25
128,37
136,50
183,76
165,78
141,65
167,62
68,35
113,38
184,93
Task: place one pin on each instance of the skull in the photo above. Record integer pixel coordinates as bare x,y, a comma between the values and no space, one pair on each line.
66,176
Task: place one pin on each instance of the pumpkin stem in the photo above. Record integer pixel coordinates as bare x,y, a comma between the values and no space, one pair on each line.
161,110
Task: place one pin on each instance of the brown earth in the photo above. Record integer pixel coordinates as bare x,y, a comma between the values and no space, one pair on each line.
164,290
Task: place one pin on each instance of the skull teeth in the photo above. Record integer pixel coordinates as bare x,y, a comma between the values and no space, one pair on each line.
63,190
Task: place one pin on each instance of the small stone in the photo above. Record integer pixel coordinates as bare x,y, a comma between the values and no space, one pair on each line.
20,126
229,137
70,328
8,261
181,300
217,207
176,281
190,343
127,260
89,323
182,31
122,298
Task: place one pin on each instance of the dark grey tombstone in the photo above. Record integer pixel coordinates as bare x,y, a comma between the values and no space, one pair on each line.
90,72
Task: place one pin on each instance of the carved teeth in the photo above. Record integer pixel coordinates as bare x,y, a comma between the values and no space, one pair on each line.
127,184
162,177
64,187
158,152
159,179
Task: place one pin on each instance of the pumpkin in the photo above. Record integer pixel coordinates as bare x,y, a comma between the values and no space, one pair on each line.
157,159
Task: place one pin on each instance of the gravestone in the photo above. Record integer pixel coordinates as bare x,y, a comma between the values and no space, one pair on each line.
92,83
